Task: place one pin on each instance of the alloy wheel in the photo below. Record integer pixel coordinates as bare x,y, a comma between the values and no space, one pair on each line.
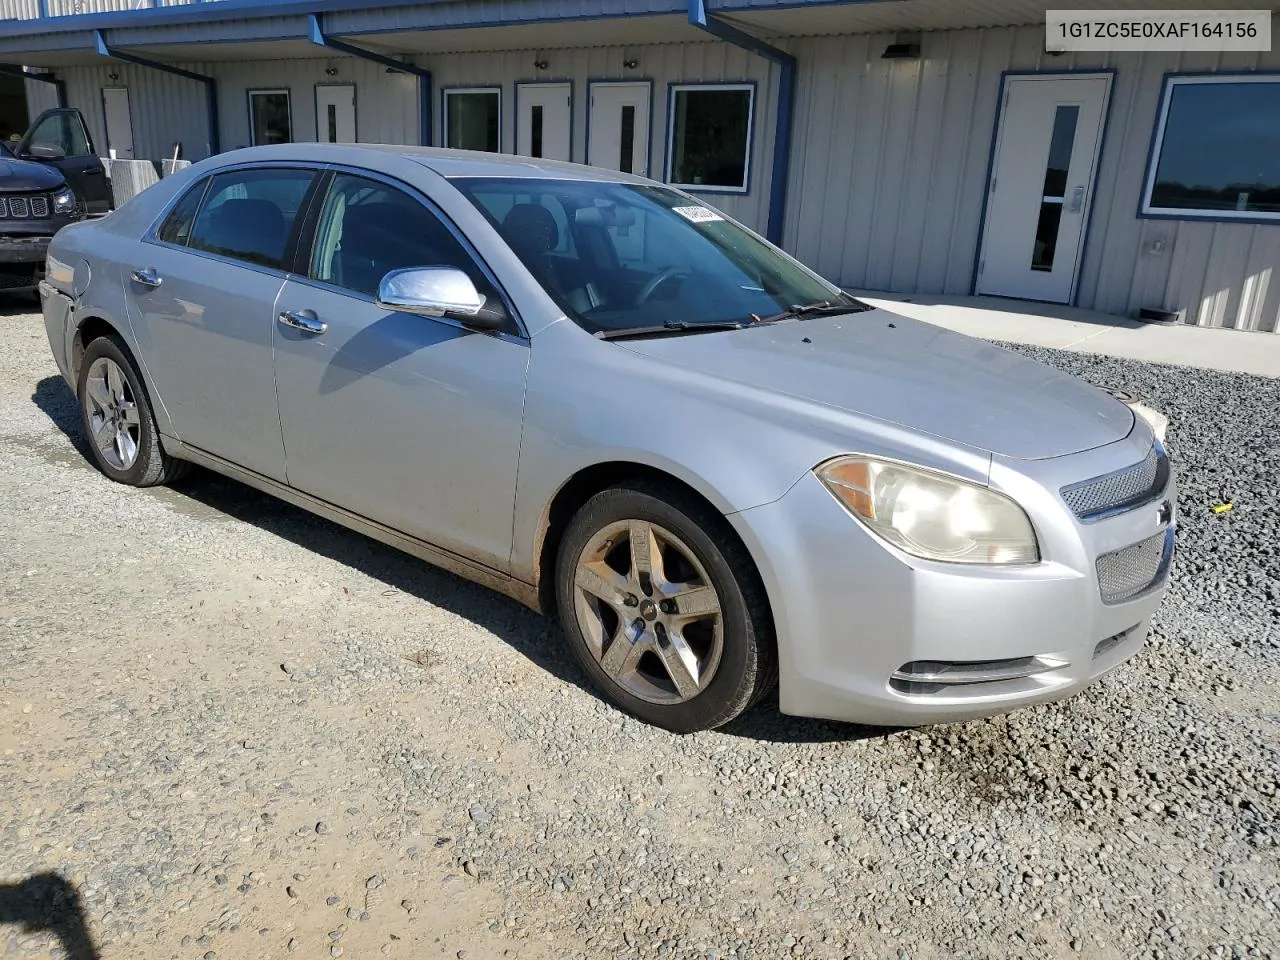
650,614
115,427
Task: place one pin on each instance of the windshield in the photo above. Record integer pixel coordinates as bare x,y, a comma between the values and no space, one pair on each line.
619,256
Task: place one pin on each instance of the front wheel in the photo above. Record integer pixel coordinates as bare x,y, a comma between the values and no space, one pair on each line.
664,609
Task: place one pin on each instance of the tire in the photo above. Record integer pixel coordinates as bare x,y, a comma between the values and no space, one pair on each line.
114,405
635,631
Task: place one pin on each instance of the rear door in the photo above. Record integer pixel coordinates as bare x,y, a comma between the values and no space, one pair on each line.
64,129
201,295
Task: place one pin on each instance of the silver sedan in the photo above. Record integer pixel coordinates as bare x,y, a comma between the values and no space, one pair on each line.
606,399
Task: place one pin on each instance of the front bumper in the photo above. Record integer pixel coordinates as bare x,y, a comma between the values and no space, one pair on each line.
30,250
851,611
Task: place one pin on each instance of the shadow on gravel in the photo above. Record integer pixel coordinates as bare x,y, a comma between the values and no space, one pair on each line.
48,902
18,304
537,638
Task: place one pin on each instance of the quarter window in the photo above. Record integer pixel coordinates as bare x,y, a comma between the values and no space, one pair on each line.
177,226
270,119
709,144
249,214
367,229
1217,149
472,119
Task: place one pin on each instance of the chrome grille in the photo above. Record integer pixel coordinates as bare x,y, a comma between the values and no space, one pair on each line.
39,206
1124,574
25,207
19,207
1114,491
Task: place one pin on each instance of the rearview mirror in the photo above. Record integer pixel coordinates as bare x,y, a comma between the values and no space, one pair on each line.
45,151
436,292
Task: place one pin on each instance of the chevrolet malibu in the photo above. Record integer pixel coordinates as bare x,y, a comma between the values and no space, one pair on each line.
606,399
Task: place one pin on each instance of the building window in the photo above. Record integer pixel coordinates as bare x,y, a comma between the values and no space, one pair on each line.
270,120
709,136
472,119
1216,153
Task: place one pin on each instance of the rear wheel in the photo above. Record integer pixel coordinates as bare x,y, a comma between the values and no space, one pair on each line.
664,609
116,415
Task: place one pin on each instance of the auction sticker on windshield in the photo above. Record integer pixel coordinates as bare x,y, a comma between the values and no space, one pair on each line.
697,214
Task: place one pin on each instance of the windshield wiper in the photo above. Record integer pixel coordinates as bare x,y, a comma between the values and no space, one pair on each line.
817,308
672,327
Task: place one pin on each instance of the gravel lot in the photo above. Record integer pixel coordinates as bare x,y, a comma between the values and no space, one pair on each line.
231,730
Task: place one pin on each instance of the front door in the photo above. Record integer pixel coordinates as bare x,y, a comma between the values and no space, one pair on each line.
1041,186
336,113
618,126
543,120
60,138
408,420
115,109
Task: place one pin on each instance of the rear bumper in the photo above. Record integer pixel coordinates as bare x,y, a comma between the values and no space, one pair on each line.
964,642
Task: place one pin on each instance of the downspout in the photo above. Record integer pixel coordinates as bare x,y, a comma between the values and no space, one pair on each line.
59,84
699,18
317,36
210,84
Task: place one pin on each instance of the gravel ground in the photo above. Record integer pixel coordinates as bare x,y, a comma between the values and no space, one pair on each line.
229,729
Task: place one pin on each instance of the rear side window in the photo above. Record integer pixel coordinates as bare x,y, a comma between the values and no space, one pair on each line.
249,214
177,226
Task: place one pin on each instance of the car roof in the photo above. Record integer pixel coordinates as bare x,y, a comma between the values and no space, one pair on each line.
447,163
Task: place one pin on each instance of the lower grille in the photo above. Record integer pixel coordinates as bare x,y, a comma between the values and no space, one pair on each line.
931,676
1126,573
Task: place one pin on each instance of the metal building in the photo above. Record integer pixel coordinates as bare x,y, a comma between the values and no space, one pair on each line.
914,146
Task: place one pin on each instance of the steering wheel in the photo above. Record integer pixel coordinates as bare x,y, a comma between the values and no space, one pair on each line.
665,275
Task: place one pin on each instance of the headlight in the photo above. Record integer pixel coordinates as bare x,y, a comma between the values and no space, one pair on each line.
931,515
64,201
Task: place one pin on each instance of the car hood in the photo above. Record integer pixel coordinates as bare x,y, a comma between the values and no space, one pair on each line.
898,370
27,175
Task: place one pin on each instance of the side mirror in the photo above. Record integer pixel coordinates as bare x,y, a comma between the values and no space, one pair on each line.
45,151
437,292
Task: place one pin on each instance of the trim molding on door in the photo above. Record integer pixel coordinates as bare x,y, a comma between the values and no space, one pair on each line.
1002,92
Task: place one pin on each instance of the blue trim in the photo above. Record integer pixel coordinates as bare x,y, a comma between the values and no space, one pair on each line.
210,84
42,8
59,84
515,113
316,34
673,87
586,133
1148,171
1109,72
474,88
699,18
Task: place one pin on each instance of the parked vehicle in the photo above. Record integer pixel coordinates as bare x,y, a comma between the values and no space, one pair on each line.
60,139
35,203
606,399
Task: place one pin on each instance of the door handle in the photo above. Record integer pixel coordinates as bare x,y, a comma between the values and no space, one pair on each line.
146,276
89,171
304,320
1077,199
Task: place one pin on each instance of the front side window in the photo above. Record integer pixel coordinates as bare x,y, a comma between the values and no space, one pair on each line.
472,119
618,256
248,214
368,228
710,136
1217,149
63,129
270,119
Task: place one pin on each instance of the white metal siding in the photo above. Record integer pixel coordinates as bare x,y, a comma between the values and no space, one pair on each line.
660,63
41,96
890,163
19,9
